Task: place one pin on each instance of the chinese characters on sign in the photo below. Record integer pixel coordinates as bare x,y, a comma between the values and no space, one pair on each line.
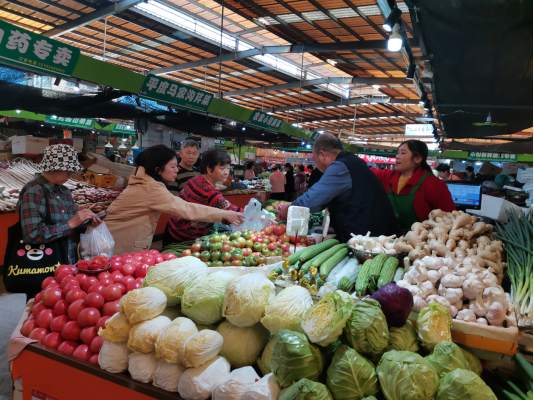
123,128
419,130
378,152
259,119
482,156
377,159
176,94
30,50
86,123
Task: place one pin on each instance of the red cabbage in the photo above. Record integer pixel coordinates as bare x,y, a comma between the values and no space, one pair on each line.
396,303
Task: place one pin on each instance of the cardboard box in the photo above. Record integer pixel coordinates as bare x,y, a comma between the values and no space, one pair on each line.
99,180
489,169
86,160
98,169
5,145
78,144
495,208
29,145
100,150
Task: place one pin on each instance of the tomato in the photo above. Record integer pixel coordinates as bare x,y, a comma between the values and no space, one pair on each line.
67,347
28,326
103,275
60,269
285,238
279,230
38,297
149,260
227,264
140,280
196,247
226,256
71,331
252,261
101,323
205,256
106,282
89,282
216,246
112,293
262,260
75,308
256,254
158,260
44,318
186,253
258,240
169,256
61,307
73,285
245,234
88,317
63,275
208,263
81,277
127,260
95,300
47,281
126,280
237,263
38,334
68,279
226,248
37,308
141,270
52,340
266,241
137,256
133,285
216,239
51,296
115,266
83,352
144,253
88,334
217,263
272,246
278,251
285,247
83,265
111,308
196,254
286,253
247,252
98,288
116,276
293,239
58,323
215,256
268,230
241,242
121,287
237,256
234,235
93,359
96,344
73,295
128,269
257,246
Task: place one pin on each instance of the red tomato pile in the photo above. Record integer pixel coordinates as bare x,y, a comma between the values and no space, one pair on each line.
245,248
98,262
72,306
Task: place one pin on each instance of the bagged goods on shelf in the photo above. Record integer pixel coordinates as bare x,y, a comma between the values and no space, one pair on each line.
113,357
201,348
198,383
235,384
265,389
170,342
143,335
142,366
168,375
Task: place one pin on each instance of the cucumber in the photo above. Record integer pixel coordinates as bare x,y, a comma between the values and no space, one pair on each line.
325,255
293,258
317,249
329,264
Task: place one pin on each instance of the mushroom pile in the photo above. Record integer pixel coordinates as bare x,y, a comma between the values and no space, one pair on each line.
456,235
469,291
379,245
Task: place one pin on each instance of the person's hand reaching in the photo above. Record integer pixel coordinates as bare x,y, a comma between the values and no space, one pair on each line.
282,215
80,217
234,218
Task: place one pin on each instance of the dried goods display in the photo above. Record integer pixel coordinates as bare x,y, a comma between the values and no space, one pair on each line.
94,199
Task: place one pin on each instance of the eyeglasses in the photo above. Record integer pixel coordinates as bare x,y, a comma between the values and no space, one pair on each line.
188,153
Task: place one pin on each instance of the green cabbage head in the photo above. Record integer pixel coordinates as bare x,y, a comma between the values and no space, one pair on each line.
405,375
403,339
242,346
434,325
203,301
367,329
173,277
306,390
287,309
351,376
295,358
463,385
474,362
265,361
446,357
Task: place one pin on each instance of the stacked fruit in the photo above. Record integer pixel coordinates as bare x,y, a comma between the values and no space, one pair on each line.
245,248
73,305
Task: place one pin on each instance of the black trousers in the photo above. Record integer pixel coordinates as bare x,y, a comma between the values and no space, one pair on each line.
278,196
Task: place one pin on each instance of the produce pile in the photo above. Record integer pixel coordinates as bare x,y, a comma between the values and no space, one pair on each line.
94,199
459,266
74,305
245,248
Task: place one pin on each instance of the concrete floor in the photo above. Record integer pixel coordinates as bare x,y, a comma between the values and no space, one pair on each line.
11,308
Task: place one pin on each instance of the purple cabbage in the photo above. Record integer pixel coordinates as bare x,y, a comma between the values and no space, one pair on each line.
396,303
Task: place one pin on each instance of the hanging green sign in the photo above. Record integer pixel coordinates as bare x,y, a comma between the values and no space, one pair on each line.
484,156
377,152
123,128
314,136
85,123
27,49
259,119
175,94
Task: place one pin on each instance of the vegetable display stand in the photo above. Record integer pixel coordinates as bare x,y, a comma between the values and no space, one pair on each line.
495,339
6,220
60,376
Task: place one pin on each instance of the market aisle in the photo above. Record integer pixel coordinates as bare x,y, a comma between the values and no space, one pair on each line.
11,307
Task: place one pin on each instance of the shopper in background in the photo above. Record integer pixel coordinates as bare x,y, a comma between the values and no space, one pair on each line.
412,188
444,172
133,216
277,181
201,190
353,194
469,173
189,154
249,172
314,177
290,182
300,181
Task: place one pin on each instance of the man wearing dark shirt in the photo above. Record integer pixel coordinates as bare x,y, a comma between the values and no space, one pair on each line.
186,170
314,177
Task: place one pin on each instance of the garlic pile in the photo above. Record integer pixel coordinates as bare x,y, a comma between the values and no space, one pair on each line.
455,235
381,244
470,292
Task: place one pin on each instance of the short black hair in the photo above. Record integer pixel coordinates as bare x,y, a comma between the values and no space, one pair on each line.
189,143
274,168
327,142
443,168
301,168
288,165
154,159
418,149
469,169
311,167
250,165
212,158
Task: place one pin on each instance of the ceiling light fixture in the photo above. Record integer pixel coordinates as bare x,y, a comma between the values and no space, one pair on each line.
18,111
428,72
395,39
392,19
411,72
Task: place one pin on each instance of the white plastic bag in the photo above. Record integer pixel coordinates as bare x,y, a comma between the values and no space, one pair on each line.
198,383
235,384
142,366
265,389
168,375
255,218
96,242
113,357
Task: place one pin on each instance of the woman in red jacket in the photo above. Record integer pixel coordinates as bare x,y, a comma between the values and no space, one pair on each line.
412,188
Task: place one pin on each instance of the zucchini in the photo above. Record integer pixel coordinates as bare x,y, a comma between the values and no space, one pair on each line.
362,281
307,265
329,264
325,255
293,258
388,271
317,249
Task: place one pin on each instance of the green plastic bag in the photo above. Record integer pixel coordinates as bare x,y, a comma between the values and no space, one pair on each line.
463,385
351,376
295,358
306,390
446,357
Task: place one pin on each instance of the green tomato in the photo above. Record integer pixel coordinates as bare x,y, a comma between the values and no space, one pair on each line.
235,235
252,261
215,256
246,234
257,246
218,263
205,256
205,246
208,263
265,252
216,246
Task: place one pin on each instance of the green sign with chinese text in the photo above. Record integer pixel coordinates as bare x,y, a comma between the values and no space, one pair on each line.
175,94
27,49
85,123
259,119
486,156
123,128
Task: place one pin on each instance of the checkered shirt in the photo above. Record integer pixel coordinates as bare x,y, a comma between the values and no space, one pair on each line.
58,204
